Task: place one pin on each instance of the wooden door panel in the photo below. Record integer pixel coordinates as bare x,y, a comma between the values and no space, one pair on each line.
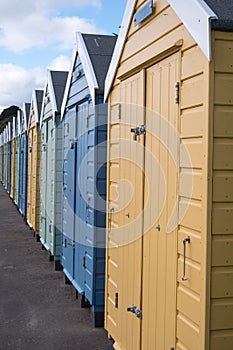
159,240
125,198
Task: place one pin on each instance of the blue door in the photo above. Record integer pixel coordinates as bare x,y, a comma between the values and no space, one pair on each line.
9,167
69,160
43,182
81,200
23,174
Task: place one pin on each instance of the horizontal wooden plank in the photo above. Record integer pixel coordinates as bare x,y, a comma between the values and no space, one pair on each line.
222,157
198,65
221,314
222,248
191,184
189,305
193,281
222,339
192,92
223,121
223,48
190,214
188,333
222,282
192,122
222,218
223,89
191,153
223,186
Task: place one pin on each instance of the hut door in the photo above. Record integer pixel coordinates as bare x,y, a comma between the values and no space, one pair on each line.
82,180
68,192
125,198
30,169
44,179
160,213
50,180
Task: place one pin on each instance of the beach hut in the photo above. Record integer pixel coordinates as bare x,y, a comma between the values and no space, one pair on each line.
169,276
33,180
84,170
4,156
13,154
17,157
23,168
51,165
1,156
9,160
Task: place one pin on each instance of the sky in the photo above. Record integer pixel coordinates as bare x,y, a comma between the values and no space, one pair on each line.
39,35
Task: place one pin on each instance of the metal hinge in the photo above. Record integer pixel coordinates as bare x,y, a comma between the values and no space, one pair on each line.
139,130
177,86
135,311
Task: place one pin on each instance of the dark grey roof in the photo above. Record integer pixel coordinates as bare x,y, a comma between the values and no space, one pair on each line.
59,83
224,11
39,99
27,111
100,49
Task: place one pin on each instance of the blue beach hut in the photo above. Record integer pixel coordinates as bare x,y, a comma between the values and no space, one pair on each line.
84,170
8,165
23,168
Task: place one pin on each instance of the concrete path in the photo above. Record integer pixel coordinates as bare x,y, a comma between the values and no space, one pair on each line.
38,311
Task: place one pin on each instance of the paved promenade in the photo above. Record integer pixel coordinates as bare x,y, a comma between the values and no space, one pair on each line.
38,311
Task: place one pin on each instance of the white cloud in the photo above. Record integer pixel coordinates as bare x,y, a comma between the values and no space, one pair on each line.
61,62
38,24
17,84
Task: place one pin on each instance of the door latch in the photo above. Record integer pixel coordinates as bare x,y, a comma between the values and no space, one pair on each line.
139,130
135,311
185,241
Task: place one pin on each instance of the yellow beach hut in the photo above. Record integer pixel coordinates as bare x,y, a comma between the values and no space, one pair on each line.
34,141
169,269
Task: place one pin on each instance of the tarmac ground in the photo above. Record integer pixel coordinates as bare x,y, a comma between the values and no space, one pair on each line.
38,311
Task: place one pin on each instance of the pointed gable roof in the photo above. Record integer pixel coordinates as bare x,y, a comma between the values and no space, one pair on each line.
55,84
36,103
199,17
95,52
25,116
100,49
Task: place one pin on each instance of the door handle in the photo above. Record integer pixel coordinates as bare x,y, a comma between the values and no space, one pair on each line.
110,219
185,240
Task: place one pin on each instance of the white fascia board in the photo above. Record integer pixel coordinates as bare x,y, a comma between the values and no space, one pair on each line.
36,112
52,94
19,114
5,135
30,113
196,16
43,100
119,47
68,82
24,116
9,131
87,65
14,128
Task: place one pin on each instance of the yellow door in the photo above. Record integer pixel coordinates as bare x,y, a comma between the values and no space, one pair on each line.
160,212
143,216
29,191
126,158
